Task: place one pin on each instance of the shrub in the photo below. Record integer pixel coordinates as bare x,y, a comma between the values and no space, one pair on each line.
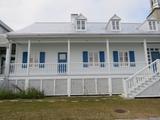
30,93
7,94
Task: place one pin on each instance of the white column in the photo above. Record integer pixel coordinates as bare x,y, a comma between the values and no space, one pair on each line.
108,56
68,68
28,58
109,67
125,88
96,86
28,62
8,58
68,56
145,51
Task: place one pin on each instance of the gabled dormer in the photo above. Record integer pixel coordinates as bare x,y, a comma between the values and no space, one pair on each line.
150,25
114,24
79,21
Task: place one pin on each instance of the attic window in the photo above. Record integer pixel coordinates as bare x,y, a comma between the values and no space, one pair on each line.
115,25
81,25
152,25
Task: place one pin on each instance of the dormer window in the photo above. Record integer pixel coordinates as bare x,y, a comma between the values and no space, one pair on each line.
115,25
79,22
152,25
81,25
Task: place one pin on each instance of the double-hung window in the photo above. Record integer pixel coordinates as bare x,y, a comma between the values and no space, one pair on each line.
81,25
115,25
123,58
93,59
152,25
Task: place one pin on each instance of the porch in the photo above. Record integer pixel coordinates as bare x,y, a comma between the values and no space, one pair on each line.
79,67
56,58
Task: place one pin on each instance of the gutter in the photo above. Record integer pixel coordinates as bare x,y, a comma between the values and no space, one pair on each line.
91,35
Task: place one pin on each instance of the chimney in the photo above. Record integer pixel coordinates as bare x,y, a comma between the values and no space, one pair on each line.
73,17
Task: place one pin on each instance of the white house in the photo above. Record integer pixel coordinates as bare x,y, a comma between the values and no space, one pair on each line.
3,44
87,58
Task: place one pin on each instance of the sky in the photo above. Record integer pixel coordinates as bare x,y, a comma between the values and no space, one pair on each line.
20,13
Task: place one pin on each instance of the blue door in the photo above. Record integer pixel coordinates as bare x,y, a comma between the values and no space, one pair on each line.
155,56
62,62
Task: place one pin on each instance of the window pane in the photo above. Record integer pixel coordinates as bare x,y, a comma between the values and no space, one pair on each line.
78,24
150,25
154,25
117,25
91,58
83,25
113,25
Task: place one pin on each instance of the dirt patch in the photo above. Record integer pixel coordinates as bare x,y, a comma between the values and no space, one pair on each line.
121,111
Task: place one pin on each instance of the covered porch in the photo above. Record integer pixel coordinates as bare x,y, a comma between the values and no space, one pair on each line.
79,57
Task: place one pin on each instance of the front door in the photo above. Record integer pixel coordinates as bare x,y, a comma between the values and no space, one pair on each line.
62,62
155,56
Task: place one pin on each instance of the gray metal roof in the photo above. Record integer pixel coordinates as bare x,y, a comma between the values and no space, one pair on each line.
68,28
6,27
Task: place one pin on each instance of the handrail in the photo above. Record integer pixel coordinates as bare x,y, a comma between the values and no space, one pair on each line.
142,69
139,78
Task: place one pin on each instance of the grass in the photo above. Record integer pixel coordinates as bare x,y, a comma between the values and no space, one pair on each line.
79,108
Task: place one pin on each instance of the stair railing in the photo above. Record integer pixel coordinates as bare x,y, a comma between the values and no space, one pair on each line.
145,74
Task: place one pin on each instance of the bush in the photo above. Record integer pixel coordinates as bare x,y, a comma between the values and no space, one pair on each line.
30,93
7,94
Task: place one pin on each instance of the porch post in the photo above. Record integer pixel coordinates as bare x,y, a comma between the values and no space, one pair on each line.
8,58
145,51
109,67
28,63
68,56
68,69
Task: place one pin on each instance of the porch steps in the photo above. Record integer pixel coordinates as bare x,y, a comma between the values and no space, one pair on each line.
141,88
142,80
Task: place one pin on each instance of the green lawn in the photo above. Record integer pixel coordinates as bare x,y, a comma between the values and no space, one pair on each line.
78,108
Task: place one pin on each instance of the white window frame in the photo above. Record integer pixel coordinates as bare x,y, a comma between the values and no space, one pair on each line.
115,25
152,25
124,61
95,60
81,26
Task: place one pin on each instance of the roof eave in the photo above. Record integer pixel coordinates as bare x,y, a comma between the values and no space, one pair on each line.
100,35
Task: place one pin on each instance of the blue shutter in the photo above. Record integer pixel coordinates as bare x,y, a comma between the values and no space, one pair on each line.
25,56
102,58
24,59
42,59
115,58
132,58
85,59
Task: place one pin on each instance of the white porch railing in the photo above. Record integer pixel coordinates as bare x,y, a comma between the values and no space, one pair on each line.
76,68
147,74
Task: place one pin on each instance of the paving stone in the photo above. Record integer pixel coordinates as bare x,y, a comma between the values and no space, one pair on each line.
74,101
51,101
13,100
104,98
63,100
29,101
39,100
